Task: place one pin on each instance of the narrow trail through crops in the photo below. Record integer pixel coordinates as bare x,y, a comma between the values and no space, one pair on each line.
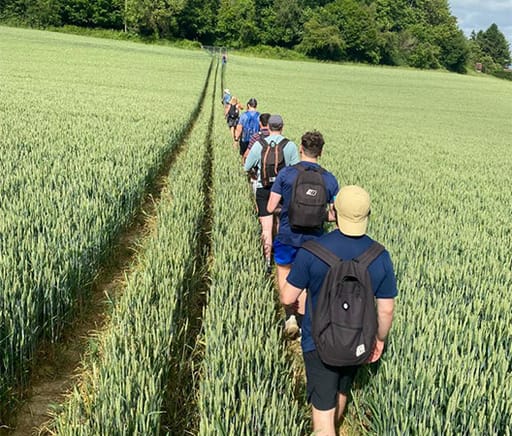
182,418
57,367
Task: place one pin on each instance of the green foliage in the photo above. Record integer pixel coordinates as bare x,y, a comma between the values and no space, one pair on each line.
493,43
282,23
322,41
236,22
358,28
424,55
198,19
266,51
507,75
157,18
44,13
393,15
454,47
95,13
419,33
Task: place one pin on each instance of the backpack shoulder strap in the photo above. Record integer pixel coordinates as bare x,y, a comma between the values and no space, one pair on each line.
263,142
371,254
282,143
321,252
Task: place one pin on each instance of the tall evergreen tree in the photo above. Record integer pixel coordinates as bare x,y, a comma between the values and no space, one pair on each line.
494,44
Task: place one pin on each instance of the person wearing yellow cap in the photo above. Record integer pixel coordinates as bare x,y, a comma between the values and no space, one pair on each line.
328,386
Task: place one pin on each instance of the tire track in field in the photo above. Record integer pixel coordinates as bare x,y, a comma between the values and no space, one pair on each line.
182,418
56,367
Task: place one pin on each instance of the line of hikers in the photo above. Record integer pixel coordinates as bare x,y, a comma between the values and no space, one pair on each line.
338,288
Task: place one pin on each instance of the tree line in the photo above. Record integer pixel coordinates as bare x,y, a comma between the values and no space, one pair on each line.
417,33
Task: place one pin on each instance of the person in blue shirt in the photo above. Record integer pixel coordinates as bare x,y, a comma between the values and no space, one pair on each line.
291,157
327,386
226,97
287,241
248,125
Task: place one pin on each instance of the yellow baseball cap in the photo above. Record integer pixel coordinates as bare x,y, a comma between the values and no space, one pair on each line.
352,205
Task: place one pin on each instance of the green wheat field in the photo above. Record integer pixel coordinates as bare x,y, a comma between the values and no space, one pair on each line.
85,125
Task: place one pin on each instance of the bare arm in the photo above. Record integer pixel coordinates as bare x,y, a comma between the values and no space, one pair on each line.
289,293
385,309
238,131
273,201
331,216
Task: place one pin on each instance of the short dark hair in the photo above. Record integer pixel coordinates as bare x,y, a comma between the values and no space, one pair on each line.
312,143
264,119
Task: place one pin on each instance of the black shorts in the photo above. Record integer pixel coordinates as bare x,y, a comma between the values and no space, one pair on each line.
325,381
243,147
232,122
262,196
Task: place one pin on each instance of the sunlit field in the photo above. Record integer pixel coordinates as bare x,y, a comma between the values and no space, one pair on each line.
194,341
433,150
84,126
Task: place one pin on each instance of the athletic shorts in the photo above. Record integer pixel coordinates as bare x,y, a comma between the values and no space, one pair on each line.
262,196
243,147
325,381
232,122
284,254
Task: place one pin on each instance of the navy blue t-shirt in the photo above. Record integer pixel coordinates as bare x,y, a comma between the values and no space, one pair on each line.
283,186
308,272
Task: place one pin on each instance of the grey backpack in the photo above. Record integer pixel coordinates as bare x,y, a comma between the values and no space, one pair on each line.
344,320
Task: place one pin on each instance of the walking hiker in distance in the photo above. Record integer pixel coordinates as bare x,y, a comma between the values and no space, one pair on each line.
307,191
232,114
327,384
248,125
226,98
268,155
262,133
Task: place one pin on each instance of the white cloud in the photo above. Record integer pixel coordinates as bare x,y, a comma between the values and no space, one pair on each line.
479,15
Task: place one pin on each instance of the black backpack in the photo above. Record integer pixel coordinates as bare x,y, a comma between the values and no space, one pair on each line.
344,321
233,112
272,160
308,204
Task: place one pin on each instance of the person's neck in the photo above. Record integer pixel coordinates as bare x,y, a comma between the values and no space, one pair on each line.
274,132
305,158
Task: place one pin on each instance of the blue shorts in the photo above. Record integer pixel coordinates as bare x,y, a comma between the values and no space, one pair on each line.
284,254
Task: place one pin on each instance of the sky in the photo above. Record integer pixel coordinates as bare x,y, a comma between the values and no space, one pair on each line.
480,14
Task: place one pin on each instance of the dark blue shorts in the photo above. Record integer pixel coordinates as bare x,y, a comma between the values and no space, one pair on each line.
284,254
325,381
